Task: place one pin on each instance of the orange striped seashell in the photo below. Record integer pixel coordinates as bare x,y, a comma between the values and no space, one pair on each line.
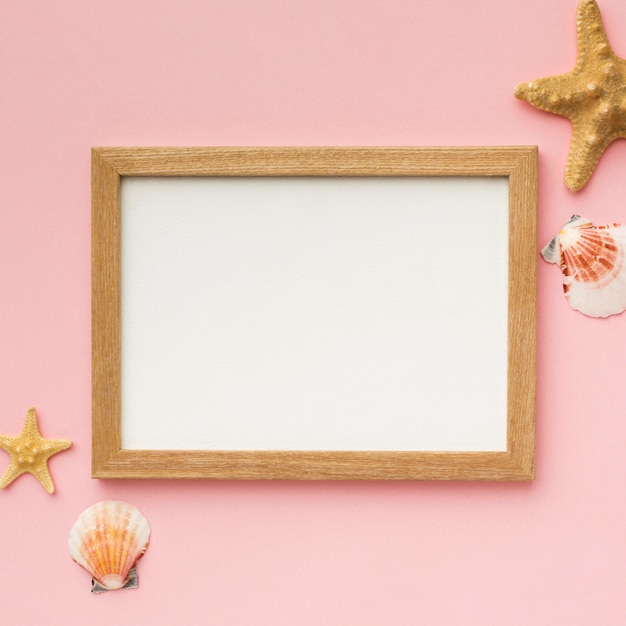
107,540
592,261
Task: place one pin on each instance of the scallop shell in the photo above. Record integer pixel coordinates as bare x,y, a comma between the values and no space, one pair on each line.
592,261
107,540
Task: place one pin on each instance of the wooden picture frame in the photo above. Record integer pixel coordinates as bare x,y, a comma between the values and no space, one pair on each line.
518,165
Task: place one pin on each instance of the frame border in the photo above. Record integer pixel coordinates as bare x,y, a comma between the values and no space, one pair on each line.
517,163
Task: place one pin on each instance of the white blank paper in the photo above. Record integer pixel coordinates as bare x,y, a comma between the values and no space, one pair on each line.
314,313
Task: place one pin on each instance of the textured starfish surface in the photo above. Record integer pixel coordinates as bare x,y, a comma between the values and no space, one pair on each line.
30,452
592,96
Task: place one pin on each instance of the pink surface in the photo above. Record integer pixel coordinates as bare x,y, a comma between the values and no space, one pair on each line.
342,72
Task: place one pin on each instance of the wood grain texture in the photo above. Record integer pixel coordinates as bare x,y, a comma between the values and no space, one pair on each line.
519,164
105,311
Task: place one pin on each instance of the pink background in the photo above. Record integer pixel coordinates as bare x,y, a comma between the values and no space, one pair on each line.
80,73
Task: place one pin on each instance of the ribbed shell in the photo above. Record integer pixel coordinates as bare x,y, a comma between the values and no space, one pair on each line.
107,540
592,261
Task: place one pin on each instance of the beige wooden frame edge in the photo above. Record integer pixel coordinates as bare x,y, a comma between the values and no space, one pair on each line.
518,163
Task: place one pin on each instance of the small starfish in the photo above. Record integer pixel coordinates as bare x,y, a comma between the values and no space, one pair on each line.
30,453
592,96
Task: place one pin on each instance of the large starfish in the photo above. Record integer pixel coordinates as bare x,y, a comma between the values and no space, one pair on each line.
592,96
30,453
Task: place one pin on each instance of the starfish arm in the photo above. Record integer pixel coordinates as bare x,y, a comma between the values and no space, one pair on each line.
42,474
11,473
30,425
553,94
592,40
584,153
7,443
53,446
